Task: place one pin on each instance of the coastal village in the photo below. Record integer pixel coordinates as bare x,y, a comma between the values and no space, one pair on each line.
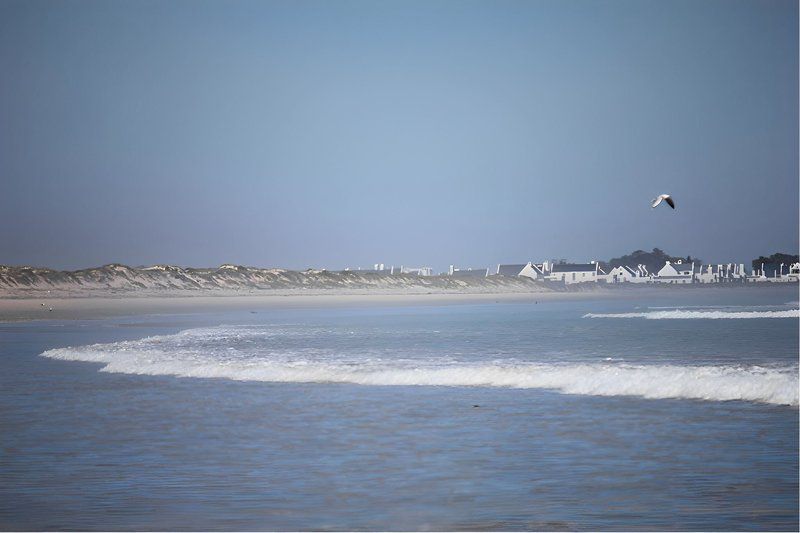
654,268
673,272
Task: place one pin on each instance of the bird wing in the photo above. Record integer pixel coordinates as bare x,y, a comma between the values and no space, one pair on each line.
670,201
656,201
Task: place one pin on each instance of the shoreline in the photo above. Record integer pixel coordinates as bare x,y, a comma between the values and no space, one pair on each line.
100,307
90,307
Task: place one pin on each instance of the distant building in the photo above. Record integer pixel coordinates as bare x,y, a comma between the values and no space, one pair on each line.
775,271
675,273
571,273
642,275
756,276
626,274
707,274
735,273
468,273
538,272
722,274
794,272
509,270
601,275
784,273
413,271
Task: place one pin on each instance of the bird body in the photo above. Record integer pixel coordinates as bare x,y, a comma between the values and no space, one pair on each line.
665,197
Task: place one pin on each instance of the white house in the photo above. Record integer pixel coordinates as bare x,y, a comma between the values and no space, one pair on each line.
678,272
794,272
571,273
722,274
509,270
707,274
757,276
789,275
735,272
529,270
534,271
624,274
731,272
642,275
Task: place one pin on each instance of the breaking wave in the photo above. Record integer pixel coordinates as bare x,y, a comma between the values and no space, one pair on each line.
231,355
678,314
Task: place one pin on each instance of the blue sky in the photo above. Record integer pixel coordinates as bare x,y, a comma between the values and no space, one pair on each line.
332,134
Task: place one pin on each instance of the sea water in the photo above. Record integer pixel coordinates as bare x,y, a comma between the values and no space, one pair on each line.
674,411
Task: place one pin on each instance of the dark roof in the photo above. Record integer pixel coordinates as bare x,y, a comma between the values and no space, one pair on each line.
510,270
628,269
574,267
474,273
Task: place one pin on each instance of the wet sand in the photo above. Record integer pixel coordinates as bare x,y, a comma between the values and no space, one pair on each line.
97,307
12,310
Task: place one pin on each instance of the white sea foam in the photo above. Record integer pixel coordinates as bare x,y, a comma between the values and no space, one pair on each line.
207,353
716,307
681,314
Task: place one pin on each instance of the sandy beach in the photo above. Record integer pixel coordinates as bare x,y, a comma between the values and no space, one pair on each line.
24,309
106,306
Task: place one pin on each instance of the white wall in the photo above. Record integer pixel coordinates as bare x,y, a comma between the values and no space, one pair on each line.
573,277
619,275
530,272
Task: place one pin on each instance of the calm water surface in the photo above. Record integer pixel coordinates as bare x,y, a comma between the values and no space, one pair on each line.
678,413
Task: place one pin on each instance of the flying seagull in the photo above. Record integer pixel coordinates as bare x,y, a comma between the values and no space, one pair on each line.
665,197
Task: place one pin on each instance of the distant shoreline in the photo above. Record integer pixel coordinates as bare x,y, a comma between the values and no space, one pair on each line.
121,281
527,287
98,306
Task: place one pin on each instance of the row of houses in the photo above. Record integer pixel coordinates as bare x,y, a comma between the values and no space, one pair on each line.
676,272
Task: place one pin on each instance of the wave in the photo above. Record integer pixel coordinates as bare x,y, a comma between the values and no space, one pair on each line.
715,307
178,355
679,314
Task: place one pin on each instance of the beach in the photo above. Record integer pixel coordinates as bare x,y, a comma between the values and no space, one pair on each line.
104,304
83,307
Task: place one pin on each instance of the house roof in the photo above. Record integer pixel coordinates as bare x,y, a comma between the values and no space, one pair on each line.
574,267
509,270
680,268
539,268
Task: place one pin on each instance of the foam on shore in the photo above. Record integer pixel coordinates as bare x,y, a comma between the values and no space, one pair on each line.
682,314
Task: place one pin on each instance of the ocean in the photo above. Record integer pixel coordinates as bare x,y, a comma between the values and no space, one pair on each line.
677,410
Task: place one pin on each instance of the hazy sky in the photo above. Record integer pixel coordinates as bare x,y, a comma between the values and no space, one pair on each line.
329,134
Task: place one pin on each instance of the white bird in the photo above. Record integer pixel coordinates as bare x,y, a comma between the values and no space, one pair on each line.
665,197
